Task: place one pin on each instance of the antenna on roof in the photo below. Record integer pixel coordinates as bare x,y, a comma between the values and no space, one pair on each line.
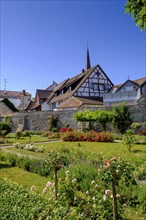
128,77
5,85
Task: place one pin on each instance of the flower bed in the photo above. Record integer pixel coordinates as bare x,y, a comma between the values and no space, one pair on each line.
92,136
30,147
65,129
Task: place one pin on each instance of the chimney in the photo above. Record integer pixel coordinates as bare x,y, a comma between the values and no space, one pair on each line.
23,92
83,70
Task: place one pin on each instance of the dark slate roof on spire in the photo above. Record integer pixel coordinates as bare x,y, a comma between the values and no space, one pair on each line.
88,66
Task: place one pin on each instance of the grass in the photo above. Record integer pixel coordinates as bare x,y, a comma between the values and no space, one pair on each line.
83,170
24,178
10,139
92,150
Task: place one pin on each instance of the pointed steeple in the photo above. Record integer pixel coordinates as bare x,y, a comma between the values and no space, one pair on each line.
88,66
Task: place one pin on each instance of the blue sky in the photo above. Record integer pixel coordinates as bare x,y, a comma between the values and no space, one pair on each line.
42,41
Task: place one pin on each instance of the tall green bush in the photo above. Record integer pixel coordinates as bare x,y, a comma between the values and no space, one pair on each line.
5,126
121,118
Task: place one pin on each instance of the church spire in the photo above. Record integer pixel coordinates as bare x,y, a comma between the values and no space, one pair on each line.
88,66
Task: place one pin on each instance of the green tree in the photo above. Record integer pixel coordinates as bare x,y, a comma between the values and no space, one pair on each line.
57,160
137,8
103,117
5,126
113,172
87,116
121,118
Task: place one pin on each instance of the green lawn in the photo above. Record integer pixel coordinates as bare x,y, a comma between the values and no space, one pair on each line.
24,178
92,149
35,138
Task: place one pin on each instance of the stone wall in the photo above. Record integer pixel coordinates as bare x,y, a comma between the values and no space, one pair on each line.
4,110
39,121
138,112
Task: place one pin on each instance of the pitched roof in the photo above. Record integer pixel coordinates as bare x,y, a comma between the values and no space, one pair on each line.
43,94
66,83
139,81
60,85
13,93
9,104
32,105
79,101
51,86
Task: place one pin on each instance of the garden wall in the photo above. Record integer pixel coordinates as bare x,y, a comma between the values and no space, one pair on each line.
40,121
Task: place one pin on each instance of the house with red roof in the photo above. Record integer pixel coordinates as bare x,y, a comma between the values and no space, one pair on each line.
20,99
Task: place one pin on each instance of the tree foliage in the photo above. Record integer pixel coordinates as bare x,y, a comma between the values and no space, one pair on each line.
5,127
137,8
102,116
121,118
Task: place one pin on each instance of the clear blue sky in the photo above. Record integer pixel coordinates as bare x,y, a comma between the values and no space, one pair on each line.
42,41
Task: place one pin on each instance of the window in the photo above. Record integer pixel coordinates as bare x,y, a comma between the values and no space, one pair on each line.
53,105
95,86
106,87
101,87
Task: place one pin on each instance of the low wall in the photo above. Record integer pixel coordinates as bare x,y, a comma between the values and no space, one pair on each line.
40,121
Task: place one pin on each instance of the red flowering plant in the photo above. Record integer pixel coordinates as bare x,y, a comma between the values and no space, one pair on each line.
88,136
65,129
112,172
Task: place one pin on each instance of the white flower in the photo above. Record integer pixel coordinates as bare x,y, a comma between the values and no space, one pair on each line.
74,180
87,193
75,198
32,188
67,173
49,184
44,190
96,186
93,198
108,192
124,205
104,197
93,182
117,195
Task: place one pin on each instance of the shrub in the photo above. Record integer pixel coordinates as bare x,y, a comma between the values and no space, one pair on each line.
135,126
30,147
5,127
121,118
44,134
17,203
128,140
18,134
67,129
92,136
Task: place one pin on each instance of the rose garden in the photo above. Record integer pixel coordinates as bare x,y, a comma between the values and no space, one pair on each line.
68,174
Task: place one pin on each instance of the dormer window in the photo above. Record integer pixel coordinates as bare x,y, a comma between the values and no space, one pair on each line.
69,89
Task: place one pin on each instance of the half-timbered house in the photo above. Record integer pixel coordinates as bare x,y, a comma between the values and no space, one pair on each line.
90,84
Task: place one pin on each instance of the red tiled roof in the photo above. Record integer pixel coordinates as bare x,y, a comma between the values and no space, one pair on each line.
32,105
139,81
13,93
43,94
79,101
